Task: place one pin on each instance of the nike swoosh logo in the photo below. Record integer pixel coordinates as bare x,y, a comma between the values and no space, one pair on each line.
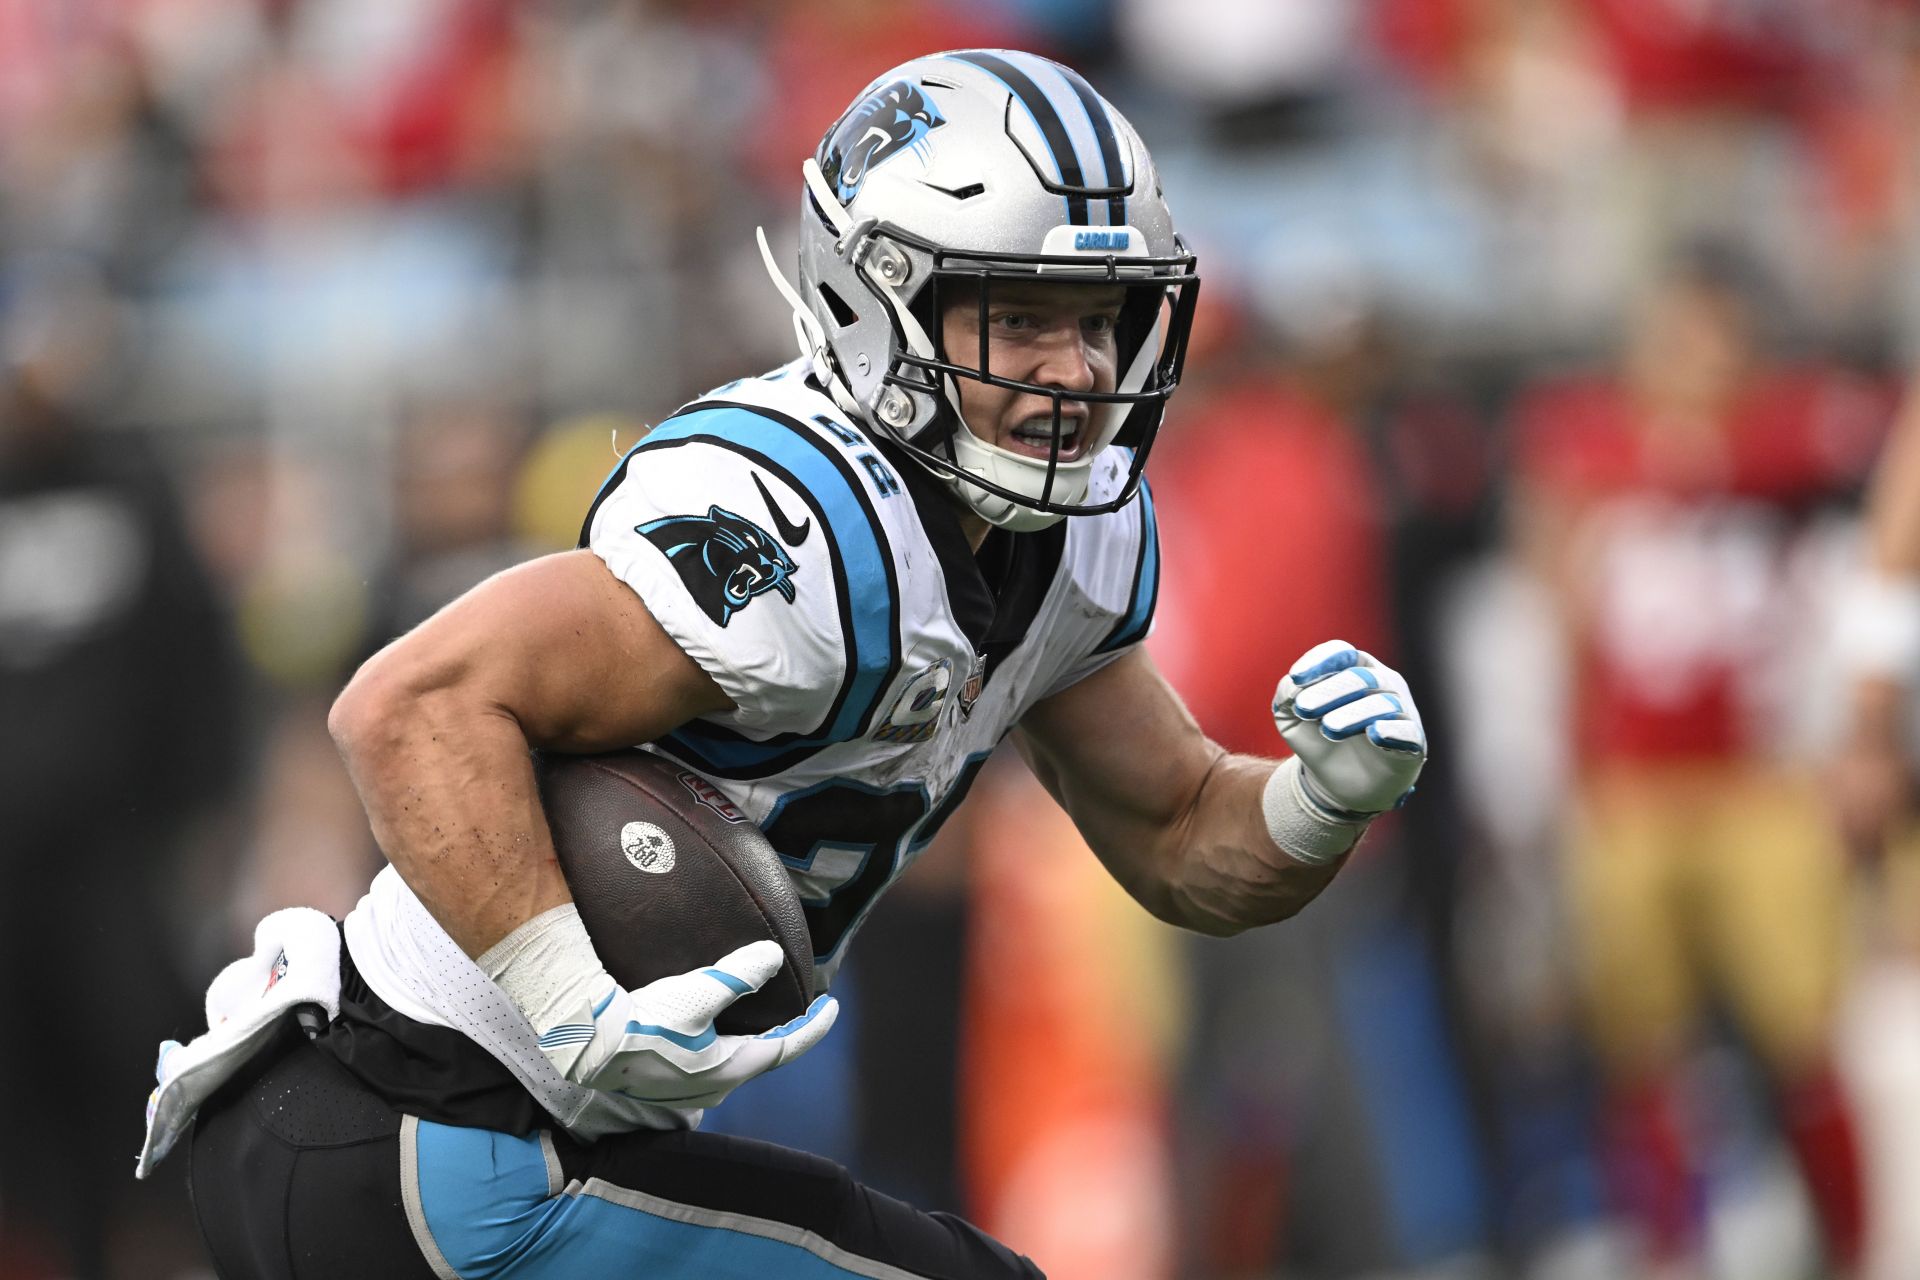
790,533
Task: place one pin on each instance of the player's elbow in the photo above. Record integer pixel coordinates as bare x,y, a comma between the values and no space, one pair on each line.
1194,917
1232,893
1184,901
368,706
1211,919
388,699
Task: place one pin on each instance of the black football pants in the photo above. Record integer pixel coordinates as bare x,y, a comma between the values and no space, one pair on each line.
299,1172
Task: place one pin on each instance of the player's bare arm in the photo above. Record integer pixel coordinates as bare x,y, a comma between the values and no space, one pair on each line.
436,727
1174,817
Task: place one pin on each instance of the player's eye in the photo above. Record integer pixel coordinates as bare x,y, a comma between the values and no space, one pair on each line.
1102,322
1016,321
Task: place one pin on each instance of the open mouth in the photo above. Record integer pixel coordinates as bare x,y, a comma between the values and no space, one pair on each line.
1034,438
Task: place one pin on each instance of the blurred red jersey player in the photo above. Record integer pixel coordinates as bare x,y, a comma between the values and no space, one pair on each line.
1662,506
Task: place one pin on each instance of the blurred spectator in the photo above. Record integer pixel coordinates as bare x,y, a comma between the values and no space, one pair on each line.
118,681
96,165
1245,62
455,477
1662,505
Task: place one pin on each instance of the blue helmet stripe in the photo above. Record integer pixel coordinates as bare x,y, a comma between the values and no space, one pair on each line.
1046,119
1051,79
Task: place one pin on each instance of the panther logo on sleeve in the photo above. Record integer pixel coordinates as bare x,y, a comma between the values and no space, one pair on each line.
725,560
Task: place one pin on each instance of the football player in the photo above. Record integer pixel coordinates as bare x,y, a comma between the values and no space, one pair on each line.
830,590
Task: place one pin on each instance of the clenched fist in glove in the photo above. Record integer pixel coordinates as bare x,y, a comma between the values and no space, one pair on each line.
1357,746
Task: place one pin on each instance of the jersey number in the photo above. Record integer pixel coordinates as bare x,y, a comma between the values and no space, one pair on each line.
883,826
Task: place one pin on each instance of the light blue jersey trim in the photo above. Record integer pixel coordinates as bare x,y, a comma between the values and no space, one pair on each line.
1146,586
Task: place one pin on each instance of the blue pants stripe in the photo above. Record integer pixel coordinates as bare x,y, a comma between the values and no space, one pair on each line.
487,1201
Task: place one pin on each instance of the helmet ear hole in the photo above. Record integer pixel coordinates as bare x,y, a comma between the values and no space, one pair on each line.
844,316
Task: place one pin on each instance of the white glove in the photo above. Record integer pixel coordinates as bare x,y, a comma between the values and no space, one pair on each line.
1359,746
657,1043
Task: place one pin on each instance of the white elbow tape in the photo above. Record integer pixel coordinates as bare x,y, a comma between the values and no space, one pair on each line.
1877,630
547,966
1304,830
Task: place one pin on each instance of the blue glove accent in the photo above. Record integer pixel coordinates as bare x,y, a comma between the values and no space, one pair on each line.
727,980
1405,748
1326,666
690,1043
792,1025
1308,708
1341,735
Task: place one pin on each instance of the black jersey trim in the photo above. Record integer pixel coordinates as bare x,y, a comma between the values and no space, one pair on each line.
967,592
1020,569
607,487
996,593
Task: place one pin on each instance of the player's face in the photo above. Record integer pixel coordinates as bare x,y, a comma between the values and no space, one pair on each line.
1052,335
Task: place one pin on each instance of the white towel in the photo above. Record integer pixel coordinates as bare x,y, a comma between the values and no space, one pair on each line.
295,960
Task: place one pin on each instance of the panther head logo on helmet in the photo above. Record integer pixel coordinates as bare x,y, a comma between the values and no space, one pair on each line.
880,124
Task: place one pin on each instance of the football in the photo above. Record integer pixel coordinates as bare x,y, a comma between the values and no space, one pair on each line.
669,877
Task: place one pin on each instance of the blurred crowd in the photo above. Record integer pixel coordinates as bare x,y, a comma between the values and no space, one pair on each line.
1545,348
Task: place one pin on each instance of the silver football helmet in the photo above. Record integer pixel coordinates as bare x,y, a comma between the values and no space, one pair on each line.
952,172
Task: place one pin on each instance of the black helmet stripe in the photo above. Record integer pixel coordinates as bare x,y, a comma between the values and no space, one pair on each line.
1109,144
1041,108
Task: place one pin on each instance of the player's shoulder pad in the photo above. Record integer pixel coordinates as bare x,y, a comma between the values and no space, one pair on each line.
752,537
1115,558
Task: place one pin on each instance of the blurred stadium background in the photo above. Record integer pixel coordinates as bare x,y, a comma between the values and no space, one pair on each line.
1567,328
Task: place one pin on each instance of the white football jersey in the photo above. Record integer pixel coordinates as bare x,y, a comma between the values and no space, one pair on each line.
825,584
874,662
